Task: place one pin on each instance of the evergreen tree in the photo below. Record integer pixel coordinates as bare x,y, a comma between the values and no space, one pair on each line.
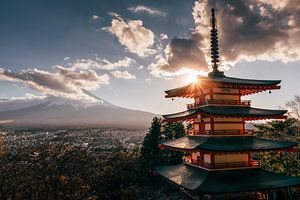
172,130
150,150
283,162
151,154
276,129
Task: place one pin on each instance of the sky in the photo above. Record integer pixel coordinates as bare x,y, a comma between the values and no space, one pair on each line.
130,52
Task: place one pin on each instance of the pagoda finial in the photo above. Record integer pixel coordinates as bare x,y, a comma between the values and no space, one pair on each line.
214,42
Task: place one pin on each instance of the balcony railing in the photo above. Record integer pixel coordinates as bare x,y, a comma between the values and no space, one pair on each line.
252,163
219,101
220,132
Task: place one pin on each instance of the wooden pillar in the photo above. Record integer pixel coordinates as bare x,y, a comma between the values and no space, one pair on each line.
212,126
249,159
243,125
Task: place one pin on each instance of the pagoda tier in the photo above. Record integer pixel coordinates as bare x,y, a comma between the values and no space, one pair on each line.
205,85
248,113
202,181
226,144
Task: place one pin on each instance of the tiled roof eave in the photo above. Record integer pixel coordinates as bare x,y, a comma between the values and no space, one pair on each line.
213,182
230,111
226,144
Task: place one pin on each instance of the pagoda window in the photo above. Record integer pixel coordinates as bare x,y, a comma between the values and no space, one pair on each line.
207,158
196,158
207,127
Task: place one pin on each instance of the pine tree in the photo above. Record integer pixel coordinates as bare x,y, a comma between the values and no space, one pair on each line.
172,130
150,153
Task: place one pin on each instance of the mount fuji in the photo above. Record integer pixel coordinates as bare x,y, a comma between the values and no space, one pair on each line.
58,111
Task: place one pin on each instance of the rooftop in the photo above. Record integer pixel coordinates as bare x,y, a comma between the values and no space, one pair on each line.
233,111
225,181
247,86
225,143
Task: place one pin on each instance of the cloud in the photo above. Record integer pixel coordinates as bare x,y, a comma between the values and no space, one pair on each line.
163,36
123,75
148,10
101,64
252,29
95,17
62,81
29,96
248,30
131,34
180,53
140,67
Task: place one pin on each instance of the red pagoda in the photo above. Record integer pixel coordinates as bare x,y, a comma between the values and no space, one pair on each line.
218,149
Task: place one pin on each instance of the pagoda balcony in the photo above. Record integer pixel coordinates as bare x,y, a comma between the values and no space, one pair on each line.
252,163
219,102
220,132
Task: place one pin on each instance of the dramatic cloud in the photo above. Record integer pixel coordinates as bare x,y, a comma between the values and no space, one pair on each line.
148,10
123,75
248,30
252,29
180,53
66,82
101,64
131,34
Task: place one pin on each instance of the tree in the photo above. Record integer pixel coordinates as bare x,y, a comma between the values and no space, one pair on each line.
294,107
151,154
172,130
276,128
150,148
283,162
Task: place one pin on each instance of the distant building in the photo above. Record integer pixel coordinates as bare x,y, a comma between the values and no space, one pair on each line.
218,149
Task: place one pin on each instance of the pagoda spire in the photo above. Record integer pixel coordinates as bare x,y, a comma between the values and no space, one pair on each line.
214,42
214,47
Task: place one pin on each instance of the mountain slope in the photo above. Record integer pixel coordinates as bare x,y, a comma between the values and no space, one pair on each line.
55,111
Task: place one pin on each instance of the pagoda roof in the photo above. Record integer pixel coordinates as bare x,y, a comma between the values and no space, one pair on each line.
231,111
247,86
225,181
226,143
239,81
